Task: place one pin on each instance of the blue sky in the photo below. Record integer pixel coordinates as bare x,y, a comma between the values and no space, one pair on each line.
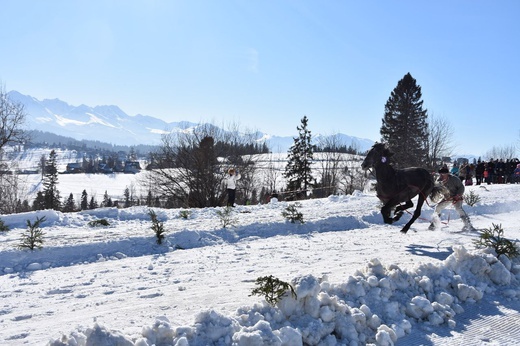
266,64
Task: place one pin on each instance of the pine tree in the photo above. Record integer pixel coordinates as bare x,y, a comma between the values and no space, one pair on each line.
22,206
39,201
33,237
107,201
405,127
84,200
132,156
298,170
26,206
70,204
149,199
127,198
50,183
93,204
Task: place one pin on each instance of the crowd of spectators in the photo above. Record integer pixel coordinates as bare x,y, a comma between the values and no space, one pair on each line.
489,172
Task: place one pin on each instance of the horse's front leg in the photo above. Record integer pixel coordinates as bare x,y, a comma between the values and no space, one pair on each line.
385,211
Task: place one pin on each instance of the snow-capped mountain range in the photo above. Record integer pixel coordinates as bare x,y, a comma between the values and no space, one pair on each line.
110,124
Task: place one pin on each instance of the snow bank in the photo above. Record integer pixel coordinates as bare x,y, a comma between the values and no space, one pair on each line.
377,305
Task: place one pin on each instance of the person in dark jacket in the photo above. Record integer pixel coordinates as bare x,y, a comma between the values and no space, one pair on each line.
455,189
490,172
479,172
499,171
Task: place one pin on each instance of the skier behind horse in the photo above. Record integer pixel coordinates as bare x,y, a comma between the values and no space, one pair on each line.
454,197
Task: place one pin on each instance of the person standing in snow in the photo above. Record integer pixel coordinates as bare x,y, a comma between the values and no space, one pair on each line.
479,172
231,184
455,189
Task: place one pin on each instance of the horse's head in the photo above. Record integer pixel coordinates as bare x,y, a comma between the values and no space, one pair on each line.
378,153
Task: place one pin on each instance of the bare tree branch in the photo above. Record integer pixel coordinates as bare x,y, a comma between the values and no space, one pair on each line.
12,119
440,140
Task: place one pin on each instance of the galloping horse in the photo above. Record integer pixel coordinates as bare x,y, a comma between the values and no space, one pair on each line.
397,186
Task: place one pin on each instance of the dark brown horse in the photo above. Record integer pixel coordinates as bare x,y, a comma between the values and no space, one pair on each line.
400,186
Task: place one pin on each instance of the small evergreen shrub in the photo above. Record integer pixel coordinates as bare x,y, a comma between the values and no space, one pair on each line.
471,198
272,289
292,214
3,226
494,238
184,214
226,217
157,227
97,223
33,237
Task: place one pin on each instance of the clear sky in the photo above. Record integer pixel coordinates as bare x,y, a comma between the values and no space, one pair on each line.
265,64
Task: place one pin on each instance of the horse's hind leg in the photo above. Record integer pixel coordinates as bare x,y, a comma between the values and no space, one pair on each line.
400,208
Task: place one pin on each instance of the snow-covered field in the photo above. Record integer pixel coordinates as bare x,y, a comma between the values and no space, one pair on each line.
358,281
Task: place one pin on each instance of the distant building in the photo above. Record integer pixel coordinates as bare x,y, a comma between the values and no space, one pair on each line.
132,167
103,168
74,168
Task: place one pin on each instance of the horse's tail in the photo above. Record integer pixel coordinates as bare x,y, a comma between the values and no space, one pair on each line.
438,192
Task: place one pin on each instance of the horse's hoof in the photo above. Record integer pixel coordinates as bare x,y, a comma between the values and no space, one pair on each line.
403,231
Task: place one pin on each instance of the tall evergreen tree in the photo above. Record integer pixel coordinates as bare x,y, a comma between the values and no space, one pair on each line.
128,201
405,127
84,200
298,169
50,183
